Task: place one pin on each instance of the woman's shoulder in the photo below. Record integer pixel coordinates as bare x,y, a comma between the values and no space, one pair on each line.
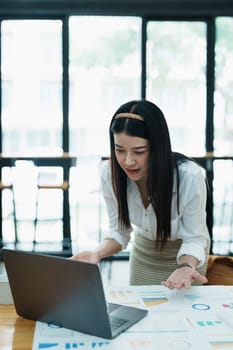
189,166
105,169
190,170
186,164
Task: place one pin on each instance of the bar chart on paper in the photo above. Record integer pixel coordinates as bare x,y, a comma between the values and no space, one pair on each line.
153,300
208,323
220,344
73,345
148,298
196,319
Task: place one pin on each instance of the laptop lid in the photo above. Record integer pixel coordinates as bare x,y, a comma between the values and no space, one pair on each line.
65,293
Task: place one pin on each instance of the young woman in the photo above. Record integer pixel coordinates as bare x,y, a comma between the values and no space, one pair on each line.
157,194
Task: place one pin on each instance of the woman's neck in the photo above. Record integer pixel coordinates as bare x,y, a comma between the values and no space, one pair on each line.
143,192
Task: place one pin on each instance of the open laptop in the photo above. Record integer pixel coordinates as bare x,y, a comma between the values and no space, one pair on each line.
65,293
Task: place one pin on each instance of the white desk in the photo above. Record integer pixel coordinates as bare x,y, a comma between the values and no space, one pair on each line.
198,319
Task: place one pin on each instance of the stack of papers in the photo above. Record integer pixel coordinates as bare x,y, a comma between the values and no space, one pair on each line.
200,318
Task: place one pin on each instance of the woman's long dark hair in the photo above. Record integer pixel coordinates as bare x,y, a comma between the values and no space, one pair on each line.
162,164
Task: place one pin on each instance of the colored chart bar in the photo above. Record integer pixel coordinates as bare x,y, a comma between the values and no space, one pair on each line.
208,323
222,344
154,301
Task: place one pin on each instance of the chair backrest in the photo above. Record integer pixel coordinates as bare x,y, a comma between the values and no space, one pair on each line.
220,270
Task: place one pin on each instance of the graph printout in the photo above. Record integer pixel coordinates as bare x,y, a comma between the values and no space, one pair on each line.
194,319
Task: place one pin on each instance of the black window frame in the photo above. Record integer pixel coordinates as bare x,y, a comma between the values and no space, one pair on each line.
149,11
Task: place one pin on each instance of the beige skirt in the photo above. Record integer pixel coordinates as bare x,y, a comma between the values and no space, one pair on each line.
148,265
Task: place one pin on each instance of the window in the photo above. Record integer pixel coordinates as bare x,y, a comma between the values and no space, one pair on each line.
223,136
176,64
31,85
111,59
31,58
104,72
223,112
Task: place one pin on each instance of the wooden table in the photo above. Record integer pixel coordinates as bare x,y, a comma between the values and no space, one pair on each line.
192,327
15,332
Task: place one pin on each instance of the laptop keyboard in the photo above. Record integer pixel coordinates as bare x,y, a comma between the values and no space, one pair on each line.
117,322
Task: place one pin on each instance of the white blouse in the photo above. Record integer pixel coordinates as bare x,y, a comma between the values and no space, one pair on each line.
189,225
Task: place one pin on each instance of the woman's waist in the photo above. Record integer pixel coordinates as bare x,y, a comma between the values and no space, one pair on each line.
144,240
150,235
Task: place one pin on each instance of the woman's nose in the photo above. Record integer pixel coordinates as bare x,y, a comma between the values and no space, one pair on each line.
129,160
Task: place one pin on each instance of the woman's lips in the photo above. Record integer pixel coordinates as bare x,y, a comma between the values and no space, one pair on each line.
132,171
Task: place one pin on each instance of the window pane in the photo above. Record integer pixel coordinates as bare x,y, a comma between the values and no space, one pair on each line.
223,207
31,85
223,112
176,66
104,73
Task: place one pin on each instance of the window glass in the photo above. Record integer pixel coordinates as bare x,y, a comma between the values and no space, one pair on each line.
223,111
176,68
223,210
31,66
104,72
31,85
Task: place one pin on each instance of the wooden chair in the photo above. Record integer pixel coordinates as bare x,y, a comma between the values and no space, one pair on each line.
11,188
64,186
220,270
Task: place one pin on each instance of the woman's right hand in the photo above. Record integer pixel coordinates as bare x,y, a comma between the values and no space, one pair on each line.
87,256
107,247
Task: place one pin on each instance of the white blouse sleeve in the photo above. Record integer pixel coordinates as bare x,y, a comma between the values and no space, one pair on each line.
193,229
122,237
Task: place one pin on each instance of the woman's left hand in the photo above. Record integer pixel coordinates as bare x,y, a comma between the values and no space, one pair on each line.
183,278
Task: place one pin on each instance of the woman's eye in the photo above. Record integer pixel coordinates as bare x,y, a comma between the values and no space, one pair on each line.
139,152
120,151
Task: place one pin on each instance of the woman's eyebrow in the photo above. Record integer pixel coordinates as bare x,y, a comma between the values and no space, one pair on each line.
137,147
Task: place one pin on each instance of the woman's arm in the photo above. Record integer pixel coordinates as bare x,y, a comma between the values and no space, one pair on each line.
189,260
106,248
192,230
185,274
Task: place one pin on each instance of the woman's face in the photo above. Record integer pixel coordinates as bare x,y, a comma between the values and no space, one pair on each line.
132,154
